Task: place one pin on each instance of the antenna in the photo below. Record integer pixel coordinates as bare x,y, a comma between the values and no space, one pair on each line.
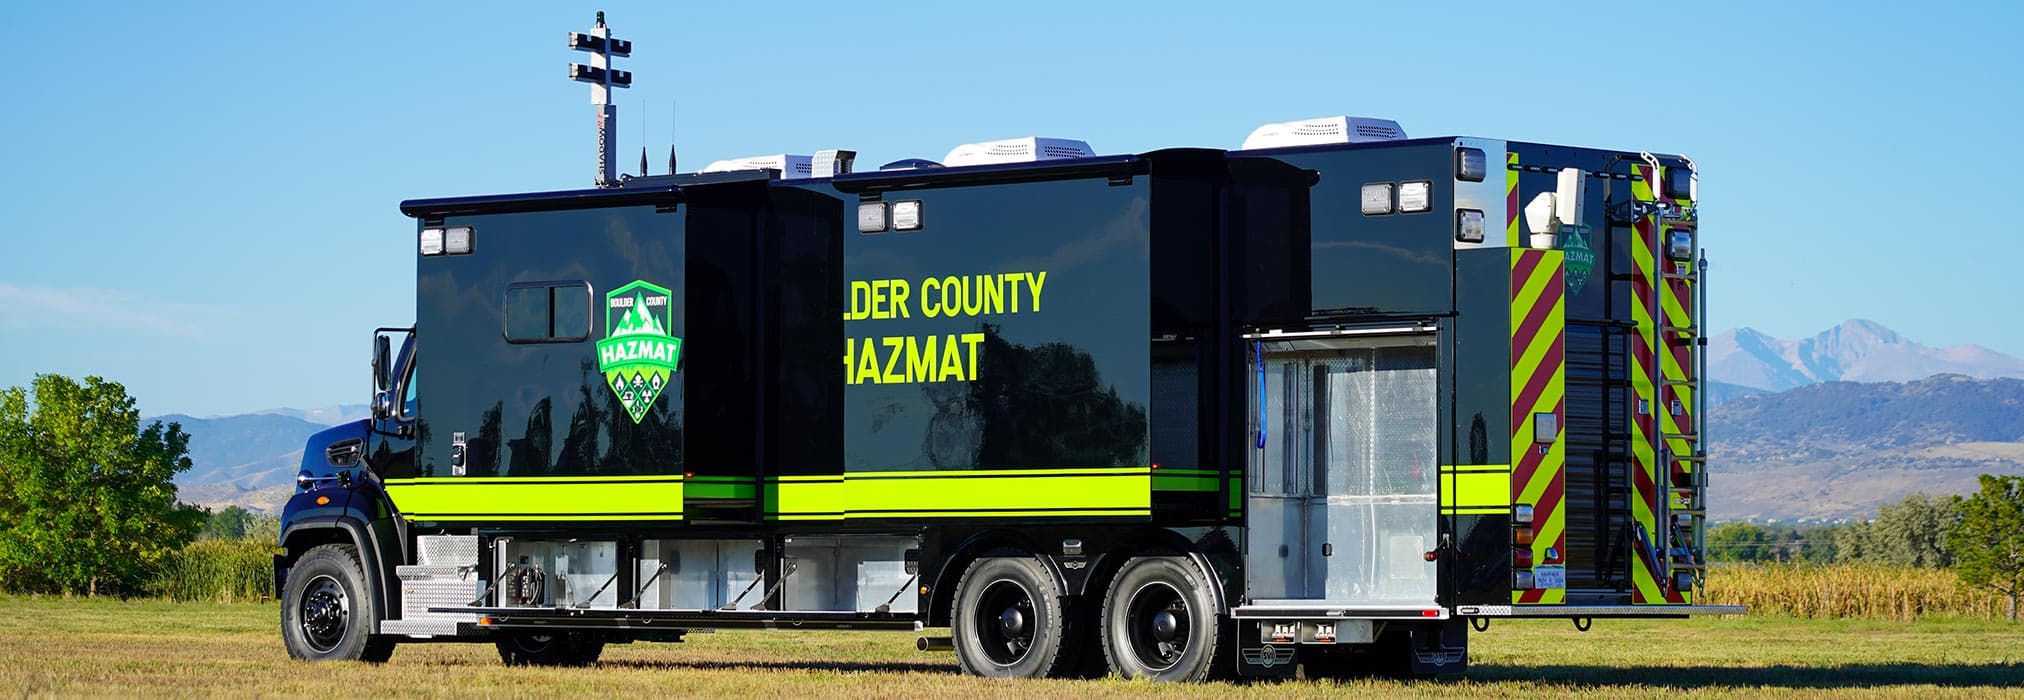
602,47
670,136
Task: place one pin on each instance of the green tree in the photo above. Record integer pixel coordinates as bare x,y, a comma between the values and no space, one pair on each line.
1739,541
1988,540
227,524
86,505
1912,532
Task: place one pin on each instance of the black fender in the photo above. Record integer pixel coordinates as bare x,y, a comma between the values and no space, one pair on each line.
955,559
369,538
1195,545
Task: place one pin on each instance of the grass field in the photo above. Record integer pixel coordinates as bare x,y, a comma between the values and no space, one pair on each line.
154,648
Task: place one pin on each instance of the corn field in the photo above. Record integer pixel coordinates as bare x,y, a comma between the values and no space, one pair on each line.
1850,591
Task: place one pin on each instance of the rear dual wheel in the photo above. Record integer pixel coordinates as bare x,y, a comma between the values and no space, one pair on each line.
1011,621
1160,621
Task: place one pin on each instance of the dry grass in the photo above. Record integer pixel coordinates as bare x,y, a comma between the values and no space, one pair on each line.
155,648
1851,591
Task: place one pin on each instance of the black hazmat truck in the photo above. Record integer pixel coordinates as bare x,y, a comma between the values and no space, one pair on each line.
1323,401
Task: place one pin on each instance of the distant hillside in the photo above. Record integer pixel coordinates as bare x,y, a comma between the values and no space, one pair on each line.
1856,350
1840,449
328,415
246,460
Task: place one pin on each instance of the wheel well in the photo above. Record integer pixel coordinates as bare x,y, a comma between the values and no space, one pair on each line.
306,539
299,541
942,596
1141,543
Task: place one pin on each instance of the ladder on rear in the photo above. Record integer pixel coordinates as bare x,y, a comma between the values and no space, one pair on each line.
1682,535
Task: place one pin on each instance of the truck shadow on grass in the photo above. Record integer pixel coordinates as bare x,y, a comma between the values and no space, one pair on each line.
1677,677
948,668
1798,677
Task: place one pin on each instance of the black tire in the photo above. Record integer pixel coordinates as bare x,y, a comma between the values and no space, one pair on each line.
549,648
1009,620
326,609
1160,621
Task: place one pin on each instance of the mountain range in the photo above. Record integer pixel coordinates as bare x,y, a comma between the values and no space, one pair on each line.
1855,351
1839,449
249,459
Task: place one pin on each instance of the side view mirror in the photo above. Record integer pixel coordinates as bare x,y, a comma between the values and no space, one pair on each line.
382,363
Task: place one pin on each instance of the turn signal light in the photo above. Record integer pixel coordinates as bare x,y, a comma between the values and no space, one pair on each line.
1521,535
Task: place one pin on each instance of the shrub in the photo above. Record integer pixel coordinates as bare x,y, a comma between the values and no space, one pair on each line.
224,571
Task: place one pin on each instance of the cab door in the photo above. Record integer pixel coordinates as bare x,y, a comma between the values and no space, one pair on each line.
1342,482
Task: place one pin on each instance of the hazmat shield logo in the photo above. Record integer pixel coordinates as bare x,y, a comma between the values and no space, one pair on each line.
1580,258
638,356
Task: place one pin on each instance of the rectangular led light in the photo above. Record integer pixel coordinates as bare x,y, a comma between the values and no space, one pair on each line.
1469,226
1679,245
1471,165
1681,183
1377,199
1416,197
432,241
907,215
871,217
457,240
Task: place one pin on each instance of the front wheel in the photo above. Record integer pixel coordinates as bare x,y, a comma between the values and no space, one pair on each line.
325,614
1159,621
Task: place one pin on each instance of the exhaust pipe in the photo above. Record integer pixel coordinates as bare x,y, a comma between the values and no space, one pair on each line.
935,644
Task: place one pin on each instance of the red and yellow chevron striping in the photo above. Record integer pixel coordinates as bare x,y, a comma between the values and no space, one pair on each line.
1649,482
1538,390
1511,200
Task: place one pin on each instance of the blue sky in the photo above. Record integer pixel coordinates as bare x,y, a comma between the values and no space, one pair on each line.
201,201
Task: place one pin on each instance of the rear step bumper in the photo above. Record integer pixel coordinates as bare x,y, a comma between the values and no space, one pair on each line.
1619,611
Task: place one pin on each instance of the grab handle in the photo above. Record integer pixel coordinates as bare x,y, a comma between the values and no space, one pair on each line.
1258,351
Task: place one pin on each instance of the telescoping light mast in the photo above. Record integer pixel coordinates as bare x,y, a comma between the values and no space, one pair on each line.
602,47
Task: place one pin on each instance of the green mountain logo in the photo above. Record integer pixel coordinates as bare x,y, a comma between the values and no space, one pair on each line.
638,355
1580,258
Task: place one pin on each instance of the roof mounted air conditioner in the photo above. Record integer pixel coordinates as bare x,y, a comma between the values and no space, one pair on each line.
1020,150
1324,130
788,165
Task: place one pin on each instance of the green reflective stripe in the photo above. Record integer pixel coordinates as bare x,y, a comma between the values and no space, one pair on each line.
720,487
1113,491
538,498
1474,486
1185,479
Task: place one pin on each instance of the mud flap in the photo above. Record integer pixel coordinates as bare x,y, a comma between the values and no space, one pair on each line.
1439,649
1256,659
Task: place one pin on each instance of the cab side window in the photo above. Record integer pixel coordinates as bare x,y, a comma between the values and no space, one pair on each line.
547,312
